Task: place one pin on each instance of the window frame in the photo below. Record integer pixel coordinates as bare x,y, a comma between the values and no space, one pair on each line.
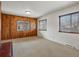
70,22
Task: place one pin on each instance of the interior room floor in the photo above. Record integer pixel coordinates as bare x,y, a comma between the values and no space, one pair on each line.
39,47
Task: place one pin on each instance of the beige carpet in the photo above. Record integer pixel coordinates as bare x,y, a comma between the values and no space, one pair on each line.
38,47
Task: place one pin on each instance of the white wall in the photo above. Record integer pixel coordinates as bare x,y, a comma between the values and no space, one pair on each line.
53,33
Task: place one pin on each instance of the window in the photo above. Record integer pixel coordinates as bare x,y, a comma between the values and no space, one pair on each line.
43,25
69,23
23,25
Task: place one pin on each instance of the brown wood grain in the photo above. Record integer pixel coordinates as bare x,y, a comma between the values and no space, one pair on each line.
5,27
10,27
0,20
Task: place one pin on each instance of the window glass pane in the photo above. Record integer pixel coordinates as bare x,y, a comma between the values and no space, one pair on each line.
23,25
43,25
75,22
65,23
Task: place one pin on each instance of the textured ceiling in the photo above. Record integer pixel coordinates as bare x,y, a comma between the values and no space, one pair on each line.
37,8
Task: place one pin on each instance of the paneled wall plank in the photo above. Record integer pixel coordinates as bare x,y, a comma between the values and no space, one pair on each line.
9,26
0,20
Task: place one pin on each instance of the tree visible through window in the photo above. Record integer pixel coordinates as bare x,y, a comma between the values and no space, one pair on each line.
23,25
69,23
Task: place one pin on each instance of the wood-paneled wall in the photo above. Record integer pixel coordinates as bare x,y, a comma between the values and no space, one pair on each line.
9,27
0,20
5,27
